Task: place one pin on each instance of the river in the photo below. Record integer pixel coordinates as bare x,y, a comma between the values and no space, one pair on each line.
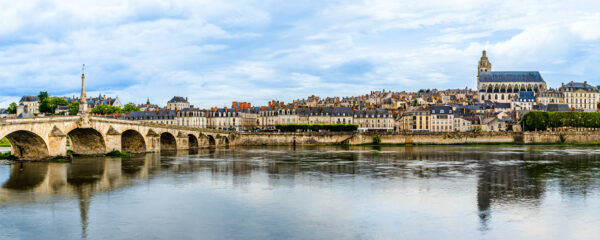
429,192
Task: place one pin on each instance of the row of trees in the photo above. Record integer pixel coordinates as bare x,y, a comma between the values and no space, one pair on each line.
541,121
316,127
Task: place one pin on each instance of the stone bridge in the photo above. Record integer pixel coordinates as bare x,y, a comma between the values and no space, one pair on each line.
42,138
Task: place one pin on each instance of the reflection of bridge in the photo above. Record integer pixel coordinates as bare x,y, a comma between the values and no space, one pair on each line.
42,138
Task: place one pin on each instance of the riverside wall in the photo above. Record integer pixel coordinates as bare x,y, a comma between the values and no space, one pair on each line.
324,138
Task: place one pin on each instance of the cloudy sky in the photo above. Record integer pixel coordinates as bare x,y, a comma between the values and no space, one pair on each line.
215,52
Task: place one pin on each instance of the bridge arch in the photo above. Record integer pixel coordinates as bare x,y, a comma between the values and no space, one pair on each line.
132,141
225,141
211,140
87,141
192,141
167,141
27,145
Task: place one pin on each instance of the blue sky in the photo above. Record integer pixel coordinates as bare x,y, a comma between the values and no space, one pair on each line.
215,52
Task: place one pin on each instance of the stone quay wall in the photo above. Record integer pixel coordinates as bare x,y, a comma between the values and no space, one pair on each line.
324,138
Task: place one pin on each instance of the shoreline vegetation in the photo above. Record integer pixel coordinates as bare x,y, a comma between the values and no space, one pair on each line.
4,142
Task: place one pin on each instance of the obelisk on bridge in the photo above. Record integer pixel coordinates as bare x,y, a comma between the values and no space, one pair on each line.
84,111
83,104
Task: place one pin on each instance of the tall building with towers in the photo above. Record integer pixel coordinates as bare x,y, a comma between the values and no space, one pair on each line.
503,86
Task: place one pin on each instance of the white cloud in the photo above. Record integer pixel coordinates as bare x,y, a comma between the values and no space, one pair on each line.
218,51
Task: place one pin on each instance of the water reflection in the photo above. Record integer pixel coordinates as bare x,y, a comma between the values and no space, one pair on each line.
504,175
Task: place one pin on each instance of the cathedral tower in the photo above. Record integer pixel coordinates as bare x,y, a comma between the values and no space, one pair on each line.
484,65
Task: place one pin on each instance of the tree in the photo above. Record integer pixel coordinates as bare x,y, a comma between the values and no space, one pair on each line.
58,101
45,106
49,104
106,109
42,96
74,108
12,108
131,107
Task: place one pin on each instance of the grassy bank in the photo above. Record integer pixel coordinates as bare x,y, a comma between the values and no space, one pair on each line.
116,153
4,142
7,156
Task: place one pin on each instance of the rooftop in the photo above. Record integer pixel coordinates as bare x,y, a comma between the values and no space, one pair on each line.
508,76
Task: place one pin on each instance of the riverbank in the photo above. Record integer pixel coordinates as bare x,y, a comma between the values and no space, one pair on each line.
450,138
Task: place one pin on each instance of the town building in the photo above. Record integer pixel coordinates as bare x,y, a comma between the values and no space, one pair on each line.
581,96
28,106
178,103
442,119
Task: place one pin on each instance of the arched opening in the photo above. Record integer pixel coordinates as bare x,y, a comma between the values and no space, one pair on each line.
132,141
167,141
87,141
211,140
226,141
192,141
27,145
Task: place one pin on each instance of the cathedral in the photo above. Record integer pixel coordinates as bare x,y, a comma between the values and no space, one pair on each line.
503,86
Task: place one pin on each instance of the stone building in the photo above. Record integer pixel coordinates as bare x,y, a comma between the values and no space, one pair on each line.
442,119
503,86
374,120
162,116
28,105
417,119
549,97
179,103
581,96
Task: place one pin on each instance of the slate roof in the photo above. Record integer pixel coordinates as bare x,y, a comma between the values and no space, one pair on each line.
574,86
558,107
526,95
441,110
178,99
29,98
505,76
150,115
502,105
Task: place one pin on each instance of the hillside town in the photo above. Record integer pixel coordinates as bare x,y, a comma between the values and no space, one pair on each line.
498,103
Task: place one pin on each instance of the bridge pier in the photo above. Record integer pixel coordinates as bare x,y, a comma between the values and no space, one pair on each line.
182,143
113,142
153,143
57,146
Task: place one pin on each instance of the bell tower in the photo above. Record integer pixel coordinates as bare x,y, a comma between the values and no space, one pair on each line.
484,65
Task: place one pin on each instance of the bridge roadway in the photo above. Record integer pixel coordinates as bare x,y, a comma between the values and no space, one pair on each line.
43,138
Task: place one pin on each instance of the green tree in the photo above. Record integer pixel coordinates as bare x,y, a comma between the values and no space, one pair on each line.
12,108
42,96
376,139
45,106
44,103
106,109
58,101
73,108
131,107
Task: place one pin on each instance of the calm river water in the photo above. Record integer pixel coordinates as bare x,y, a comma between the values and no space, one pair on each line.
449,192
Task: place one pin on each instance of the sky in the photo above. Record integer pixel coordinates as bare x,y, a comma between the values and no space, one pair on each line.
216,52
